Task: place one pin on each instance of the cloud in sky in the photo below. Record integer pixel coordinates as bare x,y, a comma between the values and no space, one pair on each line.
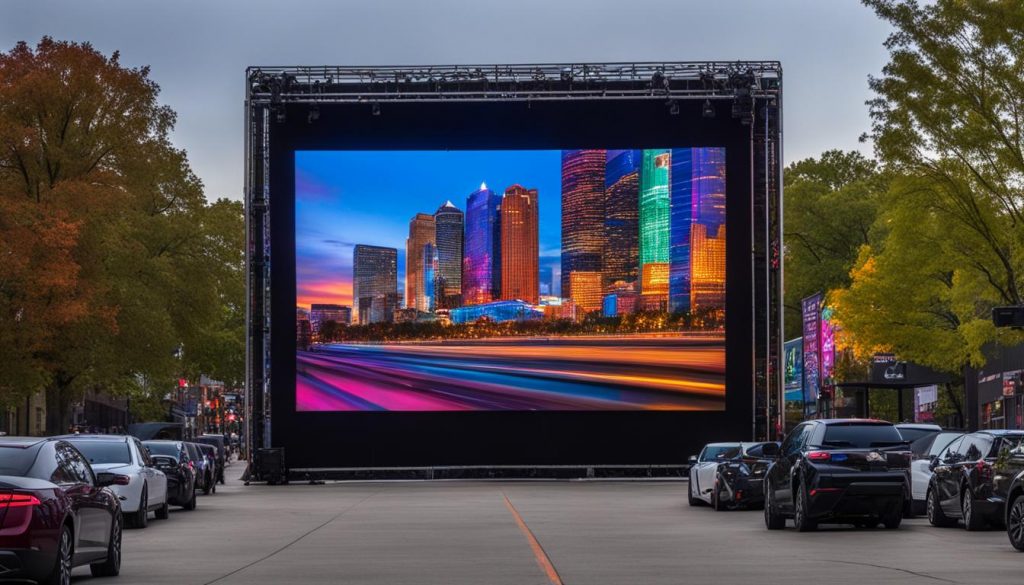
198,50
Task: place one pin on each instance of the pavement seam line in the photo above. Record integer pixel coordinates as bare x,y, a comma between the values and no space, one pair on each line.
908,571
281,549
538,551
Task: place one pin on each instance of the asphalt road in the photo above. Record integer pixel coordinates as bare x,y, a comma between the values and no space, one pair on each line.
587,532
621,373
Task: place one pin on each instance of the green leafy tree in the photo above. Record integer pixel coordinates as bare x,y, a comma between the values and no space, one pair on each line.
831,206
947,119
145,266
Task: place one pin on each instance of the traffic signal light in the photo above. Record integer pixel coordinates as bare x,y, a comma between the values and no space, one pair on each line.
1008,316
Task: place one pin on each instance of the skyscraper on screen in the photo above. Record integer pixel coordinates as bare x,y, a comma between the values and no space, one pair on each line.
583,212
680,230
621,223
654,205
422,231
448,221
520,246
586,290
374,283
707,288
430,280
481,263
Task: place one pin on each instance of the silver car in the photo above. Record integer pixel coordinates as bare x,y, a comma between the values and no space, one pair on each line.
703,467
141,487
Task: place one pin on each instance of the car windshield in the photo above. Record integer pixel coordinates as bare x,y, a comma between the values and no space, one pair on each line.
712,452
861,436
17,460
915,434
99,452
163,449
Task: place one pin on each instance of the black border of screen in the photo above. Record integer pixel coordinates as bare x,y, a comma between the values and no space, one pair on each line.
404,439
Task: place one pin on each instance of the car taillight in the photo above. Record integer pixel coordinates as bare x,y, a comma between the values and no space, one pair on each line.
16,510
984,470
122,480
819,456
18,500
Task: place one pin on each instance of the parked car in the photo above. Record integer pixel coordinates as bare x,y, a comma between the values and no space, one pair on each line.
841,471
146,490
914,431
739,481
703,468
55,512
204,469
210,453
1014,513
971,478
222,452
172,458
923,450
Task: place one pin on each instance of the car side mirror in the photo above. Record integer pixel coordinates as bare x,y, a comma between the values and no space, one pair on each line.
692,460
770,450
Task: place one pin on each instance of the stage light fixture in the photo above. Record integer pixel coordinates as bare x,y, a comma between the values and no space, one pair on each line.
375,109
658,80
673,107
708,111
314,114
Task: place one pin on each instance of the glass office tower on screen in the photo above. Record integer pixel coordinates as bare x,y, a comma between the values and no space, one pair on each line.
455,303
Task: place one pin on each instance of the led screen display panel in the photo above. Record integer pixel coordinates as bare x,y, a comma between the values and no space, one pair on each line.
510,280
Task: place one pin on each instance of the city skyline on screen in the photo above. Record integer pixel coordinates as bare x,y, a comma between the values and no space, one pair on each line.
582,279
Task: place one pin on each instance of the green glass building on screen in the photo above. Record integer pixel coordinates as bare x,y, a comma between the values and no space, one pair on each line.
654,217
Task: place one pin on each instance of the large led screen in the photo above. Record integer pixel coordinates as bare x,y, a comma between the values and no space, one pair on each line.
556,280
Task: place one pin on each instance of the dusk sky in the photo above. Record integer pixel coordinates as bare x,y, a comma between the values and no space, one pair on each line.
364,197
198,50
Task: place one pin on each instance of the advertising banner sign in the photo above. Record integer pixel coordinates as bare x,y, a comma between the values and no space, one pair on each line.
812,347
793,351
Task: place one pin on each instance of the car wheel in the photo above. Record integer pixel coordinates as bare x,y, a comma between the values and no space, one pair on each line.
690,498
933,510
801,517
893,518
141,518
972,520
112,566
772,519
61,573
716,496
163,512
1015,523
191,503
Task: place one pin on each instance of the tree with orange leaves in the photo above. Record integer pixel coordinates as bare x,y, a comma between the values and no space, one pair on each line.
111,257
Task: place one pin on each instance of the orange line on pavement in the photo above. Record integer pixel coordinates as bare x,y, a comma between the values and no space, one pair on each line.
538,551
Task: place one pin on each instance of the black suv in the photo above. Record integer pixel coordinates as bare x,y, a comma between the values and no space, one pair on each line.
971,478
839,470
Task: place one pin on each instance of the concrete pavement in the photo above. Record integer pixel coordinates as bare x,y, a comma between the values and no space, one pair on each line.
592,532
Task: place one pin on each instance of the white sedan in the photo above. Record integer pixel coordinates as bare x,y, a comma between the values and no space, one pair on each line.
703,467
920,467
143,488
